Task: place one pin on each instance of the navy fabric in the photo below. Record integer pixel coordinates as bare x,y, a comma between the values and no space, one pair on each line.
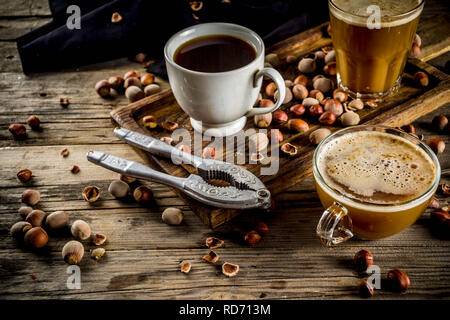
147,24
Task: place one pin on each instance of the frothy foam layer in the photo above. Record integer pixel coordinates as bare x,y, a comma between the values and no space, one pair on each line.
376,167
388,9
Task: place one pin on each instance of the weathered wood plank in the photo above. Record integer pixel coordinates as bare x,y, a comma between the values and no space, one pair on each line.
21,8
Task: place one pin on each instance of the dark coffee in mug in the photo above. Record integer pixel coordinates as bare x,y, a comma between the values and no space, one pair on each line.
214,53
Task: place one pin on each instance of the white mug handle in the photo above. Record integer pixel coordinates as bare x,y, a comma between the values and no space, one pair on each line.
279,82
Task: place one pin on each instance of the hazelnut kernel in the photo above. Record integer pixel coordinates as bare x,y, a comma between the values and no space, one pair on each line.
147,79
99,239
151,89
365,289
289,149
356,104
36,237
186,267
116,17
421,79
252,237
132,74
229,269
297,109
119,189
143,194
315,110
372,103
91,193
436,144
211,257
31,197
363,259
98,253
297,125
172,216
150,122
398,280
318,135
80,230
18,130
213,243
134,93
24,175
34,122
262,228
19,229
327,118
65,152
73,252
279,116
300,92
327,49
169,125
75,169
116,82
440,122
57,220
102,88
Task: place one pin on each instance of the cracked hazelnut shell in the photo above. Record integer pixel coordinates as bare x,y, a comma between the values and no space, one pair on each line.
211,257
98,253
212,242
289,149
99,239
230,269
185,267
91,193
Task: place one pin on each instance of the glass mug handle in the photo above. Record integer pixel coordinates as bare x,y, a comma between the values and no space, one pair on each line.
335,225
281,86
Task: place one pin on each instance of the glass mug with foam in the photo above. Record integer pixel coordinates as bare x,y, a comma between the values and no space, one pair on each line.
219,103
370,58
374,181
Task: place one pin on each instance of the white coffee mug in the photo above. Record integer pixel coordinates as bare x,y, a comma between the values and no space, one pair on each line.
218,103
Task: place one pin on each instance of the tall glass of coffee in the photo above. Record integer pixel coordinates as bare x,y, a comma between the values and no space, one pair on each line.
374,181
372,40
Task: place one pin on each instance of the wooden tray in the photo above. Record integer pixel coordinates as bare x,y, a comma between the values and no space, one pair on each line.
408,104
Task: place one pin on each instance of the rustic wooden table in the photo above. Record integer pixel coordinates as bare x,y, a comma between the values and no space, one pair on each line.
143,254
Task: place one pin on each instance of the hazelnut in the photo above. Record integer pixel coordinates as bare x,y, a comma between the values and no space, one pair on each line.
444,189
99,239
372,104
258,100
328,118
172,216
24,175
229,269
323,84
143,194
440,220
73,252
289,149
266,103
19,229
57,220
340,95
119,189
330,68
64,102
288,83
132,81
116,17
287,98
262,228
258,142
330,57
186,267
334,106
363,259
116,83
34,122
276,136
298,110
211,257
316,94
301,79
31,197
397,280
147,79
91,193
35,217
127,179
316,77
80,230
307,65
151,89
65,152
18,130
329,30
97,253
279,116
273,59
417,40
318,135
365,289
184,148
150,122
132,74
436,144
291,59
213,243
421,79
415,51
300,92
36,237
315,110
327,49
356,104
270,89
349,118
319,55
440,122
434,203
24,211
208,153
308,102
263,120
252,237
75,169
297,125
409,128
196,5
169,125
102,88
134,94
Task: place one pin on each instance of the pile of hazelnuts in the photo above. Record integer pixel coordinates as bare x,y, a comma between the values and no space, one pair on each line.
133,84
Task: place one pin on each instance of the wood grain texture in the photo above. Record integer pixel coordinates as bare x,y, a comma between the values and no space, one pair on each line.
143,254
